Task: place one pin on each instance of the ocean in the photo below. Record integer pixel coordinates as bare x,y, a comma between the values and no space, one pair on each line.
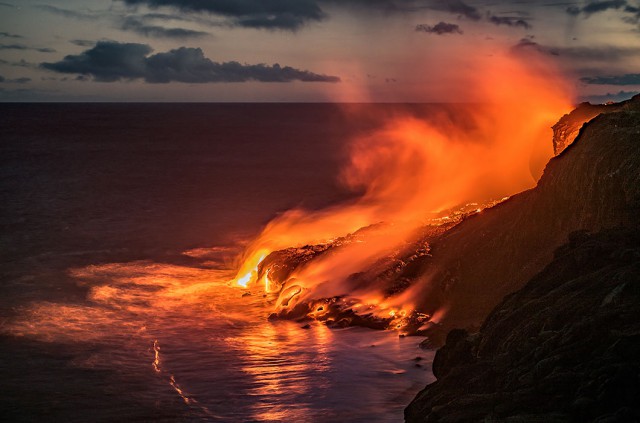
122,225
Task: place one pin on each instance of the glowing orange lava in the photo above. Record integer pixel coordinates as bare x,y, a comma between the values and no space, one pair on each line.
410,170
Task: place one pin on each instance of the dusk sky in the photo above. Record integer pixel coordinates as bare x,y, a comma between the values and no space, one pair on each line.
303,50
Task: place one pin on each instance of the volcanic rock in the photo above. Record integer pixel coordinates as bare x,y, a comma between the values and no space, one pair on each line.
568,127
565,347
593,185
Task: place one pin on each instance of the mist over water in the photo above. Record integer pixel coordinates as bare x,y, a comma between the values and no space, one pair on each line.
122,225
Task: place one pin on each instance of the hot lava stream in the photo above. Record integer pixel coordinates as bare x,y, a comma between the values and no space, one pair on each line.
362,262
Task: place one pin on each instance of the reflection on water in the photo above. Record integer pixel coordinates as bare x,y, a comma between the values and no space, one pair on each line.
208,343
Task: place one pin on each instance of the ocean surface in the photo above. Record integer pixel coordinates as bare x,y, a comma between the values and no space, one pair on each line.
121,225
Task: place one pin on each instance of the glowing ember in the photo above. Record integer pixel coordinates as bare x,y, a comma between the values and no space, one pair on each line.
156,359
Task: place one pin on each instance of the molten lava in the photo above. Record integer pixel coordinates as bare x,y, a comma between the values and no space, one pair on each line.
410,172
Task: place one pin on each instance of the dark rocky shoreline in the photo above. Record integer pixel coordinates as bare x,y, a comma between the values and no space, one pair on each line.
566,347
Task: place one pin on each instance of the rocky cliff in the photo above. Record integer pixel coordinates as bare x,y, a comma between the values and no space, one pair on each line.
593,185
567,128
566,345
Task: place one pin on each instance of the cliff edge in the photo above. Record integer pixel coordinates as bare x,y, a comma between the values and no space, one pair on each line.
593,185
565,346
568,127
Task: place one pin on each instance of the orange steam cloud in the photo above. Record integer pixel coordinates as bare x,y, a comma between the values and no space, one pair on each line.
491,148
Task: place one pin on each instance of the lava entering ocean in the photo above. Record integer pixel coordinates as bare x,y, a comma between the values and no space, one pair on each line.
418,177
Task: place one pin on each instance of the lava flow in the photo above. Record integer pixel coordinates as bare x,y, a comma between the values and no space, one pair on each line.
411,171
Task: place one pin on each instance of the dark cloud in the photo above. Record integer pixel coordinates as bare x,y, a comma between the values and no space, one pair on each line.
634,12
180,17
627,79
8,35
6,4
601,54
293,14
596,7
270,14
164,17
106,61
509,21
440,28
15,81
23,47
111,61
615,97
138,26
456,7
459,8
527,43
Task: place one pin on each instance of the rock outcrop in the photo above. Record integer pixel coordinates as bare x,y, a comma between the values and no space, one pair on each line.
566,347
567,128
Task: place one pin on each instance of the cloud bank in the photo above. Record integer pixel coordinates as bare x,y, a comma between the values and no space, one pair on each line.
293,14
112,61
627,79
615,97
282,14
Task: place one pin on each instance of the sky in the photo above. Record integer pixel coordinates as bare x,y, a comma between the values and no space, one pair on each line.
304,50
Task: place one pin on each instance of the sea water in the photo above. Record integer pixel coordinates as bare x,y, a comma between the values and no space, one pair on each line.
121,227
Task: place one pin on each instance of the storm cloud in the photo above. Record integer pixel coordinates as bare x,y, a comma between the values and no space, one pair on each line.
627,79
440,28
112,61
